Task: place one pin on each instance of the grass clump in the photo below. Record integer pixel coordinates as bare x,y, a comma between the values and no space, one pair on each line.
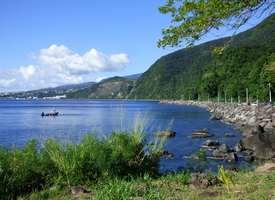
201,154
225,178
121,155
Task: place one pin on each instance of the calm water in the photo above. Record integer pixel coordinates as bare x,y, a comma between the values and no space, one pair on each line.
20,121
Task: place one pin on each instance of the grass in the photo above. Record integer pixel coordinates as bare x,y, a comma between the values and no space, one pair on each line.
121,155
247,185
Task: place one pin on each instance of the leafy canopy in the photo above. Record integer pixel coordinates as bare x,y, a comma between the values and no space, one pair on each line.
191,19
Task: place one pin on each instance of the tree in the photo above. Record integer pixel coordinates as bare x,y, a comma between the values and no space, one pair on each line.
269,69
191,19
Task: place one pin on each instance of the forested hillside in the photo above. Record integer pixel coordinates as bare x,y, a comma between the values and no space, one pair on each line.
111,88
228,66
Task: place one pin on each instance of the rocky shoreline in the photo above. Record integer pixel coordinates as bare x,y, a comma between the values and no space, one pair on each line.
255,122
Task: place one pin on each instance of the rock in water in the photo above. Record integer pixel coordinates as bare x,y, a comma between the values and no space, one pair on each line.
210,143
167,154
201,134
231,157
221,152
224,148
167,133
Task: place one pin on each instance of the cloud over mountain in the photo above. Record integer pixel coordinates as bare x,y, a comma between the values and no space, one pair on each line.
57,65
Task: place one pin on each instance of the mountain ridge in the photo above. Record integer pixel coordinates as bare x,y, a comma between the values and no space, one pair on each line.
213,67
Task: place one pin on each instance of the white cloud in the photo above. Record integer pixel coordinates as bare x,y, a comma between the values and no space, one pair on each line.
57,65
27,72
69,62
6,82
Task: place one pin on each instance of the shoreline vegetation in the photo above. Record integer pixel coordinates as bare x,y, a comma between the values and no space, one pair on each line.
125,166
119,156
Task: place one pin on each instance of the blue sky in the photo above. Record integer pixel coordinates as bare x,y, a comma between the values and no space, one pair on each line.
55,42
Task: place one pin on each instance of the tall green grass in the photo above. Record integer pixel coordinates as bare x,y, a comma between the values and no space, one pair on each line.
120,155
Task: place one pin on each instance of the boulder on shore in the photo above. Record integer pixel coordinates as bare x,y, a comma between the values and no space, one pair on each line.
239,147
262,144
167,133
215,116
273,120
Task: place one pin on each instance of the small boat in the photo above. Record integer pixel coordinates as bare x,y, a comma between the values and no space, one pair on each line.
50,114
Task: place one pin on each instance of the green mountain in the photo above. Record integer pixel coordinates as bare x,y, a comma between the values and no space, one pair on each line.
111,88
226,66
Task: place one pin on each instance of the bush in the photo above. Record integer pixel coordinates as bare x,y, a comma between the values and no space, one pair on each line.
21,171
121,155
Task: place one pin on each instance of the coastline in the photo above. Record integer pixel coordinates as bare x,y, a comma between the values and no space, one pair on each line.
238,114
255,122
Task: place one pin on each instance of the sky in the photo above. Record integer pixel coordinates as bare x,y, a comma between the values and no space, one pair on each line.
56,42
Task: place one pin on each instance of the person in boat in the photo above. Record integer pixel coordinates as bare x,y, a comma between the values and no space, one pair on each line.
54,113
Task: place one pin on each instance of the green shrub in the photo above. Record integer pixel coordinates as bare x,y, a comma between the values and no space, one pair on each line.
23,170
121,155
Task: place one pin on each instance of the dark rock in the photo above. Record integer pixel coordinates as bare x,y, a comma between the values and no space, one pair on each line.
167,133
210,143
239,147
249,158
233,169
217,154
224,148
167,154
231,157
221,152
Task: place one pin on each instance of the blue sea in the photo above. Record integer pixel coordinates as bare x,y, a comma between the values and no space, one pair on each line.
20,121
